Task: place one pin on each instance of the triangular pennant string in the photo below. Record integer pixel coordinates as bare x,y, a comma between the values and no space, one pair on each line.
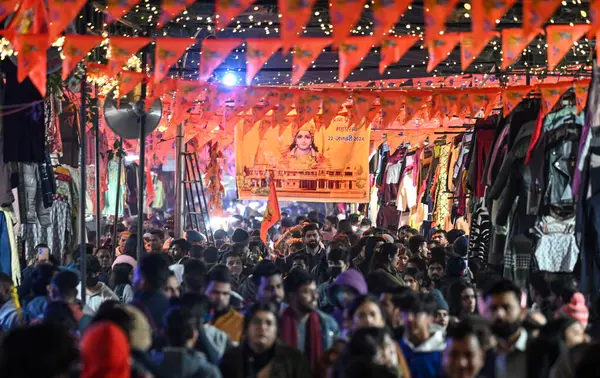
116,9
385,15
512,96
483,99
258,52
170,9
471,45
436,13
7,7
128,81
394,48
391,106
594,17
214,52
484,14
537,12
61,13
168,51
307,106
287,99
32,59
362,102
440,47
582,88
295,14
306,51
560,38
414,101
352,51
121,49
157,90
332,103
514,42
187,92
75,48
344,15
227,10
551,93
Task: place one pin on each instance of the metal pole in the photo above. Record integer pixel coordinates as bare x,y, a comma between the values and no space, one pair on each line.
119,170
179,181
97,121
82,235
140,240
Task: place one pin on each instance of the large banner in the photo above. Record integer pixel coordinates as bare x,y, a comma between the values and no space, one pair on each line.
307,163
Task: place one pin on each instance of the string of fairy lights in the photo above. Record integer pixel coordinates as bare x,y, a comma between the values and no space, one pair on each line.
263,21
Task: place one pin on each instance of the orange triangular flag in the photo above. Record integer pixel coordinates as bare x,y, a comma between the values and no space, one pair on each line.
61,13
537,12
170,10
514,42
471,45
344,15
414,101
560,38
440,47
394,48
128,81
352,51
272,212
582,88
7,7
75,48
187,92
287,99
168,51
32,59
295,15
362,102
391,106
551,93
119,8
258,52
263,126
436,13
385,15
308,104
254,95
214,52
594,17
332,102
121,49
512,96
484,99
227,10
156,90
484,14
306,51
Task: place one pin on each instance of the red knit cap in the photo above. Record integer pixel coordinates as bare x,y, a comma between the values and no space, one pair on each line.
575,309
105,352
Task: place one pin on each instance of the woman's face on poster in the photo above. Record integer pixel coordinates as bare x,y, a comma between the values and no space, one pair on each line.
303,140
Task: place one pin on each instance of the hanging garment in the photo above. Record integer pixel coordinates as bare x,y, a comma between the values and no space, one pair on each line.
111,195
441,215
483,145
31,204
52,109
6,196
15,265
479,240
556,250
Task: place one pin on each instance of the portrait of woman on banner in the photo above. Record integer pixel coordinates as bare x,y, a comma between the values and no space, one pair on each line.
303,153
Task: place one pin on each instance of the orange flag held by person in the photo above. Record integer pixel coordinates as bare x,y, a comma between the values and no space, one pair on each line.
344,15
537,12
168,51
394,48
272,212
32,59
171,9
440,47
214,52
75,48
61,13
560,39
385,15
258,52
306,51
295,14
352,51
227,10
514,42
119,8
121,49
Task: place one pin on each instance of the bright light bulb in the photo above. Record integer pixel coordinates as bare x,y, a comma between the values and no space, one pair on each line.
229,79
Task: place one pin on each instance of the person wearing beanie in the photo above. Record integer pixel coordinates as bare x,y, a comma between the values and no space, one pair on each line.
461,246
442,310
105,352
194,237
575,309
240,236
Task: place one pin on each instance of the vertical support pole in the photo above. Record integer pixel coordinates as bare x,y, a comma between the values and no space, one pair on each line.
142,175
97,160
82,234
116,221
179,181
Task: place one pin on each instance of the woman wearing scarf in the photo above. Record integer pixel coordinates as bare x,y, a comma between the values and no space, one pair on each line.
261,355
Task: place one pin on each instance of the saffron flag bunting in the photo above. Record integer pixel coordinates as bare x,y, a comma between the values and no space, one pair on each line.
537,12
385,15
258,52
306,51
440,47
295,14
352,51
471,45
344,15
560,38
514,42
32,59
170,9
551,93
227,10
119,8
61,13
75,48
214,52
484,14
121,49
436,13
394,48
582,88
512,96
168,51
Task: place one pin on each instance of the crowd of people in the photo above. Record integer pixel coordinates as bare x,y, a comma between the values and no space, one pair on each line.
329,299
